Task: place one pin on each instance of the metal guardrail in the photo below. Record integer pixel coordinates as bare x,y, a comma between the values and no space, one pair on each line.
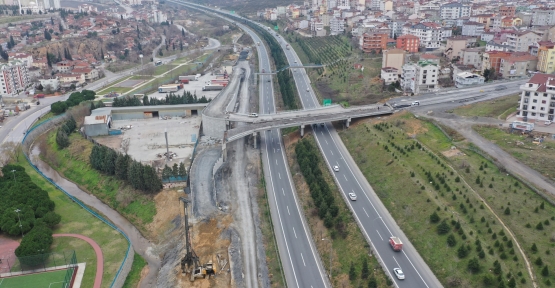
83,205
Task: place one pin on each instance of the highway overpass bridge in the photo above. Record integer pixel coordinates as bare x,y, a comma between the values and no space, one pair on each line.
298,118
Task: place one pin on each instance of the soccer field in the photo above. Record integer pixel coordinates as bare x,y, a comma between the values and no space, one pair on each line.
54,279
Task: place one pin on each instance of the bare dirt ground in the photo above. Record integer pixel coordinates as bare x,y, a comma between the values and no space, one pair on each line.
7,253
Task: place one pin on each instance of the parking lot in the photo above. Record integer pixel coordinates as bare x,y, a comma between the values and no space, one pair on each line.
193,87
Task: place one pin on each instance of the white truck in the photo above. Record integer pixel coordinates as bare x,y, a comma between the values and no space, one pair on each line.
189,77
168,88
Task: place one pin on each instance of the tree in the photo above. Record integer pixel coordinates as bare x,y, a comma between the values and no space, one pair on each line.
175,170
61,139
364,272
47,35
36,242
101,54
443,228
451,241
61,28
474,265
12,42
462,251
122,162
166,172
507,211
51,219
52,20
182,171
352,272
3,54
372,283
181,45
545,271
10,220
182,32
434,218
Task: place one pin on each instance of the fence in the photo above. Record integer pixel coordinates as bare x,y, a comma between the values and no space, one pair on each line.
125,266
40,263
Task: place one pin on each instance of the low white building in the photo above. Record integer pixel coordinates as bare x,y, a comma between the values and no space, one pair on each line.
465,79
390,75
53,84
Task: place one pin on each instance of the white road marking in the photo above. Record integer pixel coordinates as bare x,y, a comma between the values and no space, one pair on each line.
294,230
345,177
379,235
279,175
365,212
288,210
326,142
276,162
282,190
331,152
303,259
396,262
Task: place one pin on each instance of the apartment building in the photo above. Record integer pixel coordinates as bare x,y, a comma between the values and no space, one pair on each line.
389,75
409,43
507,11
472,56
537,99
337,26
521,41
373,41
394,58
430,34
467,79
543,17
492,59
14,78
471,28
546,57
454,10
419,77
517,66
455,45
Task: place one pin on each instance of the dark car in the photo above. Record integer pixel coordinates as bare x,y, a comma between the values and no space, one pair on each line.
500,87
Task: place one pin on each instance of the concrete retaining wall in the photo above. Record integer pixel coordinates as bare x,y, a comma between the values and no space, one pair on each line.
213,127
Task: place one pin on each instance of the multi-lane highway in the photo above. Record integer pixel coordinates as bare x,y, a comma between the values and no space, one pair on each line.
300,260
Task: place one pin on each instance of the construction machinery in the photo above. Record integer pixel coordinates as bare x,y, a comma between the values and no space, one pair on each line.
190,263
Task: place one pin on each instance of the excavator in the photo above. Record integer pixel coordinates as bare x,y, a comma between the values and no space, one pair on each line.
190,263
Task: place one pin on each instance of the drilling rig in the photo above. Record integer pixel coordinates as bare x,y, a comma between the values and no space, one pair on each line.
190,263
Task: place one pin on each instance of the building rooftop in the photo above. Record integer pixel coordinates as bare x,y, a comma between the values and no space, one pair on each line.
390,69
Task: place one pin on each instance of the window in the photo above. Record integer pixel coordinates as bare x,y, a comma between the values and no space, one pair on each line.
526,100
544,102
533,107
533,114
535,101
542,115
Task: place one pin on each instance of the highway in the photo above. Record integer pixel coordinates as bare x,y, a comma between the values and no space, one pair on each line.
371,215
300,261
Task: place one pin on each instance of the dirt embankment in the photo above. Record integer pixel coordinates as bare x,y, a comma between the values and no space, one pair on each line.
81,47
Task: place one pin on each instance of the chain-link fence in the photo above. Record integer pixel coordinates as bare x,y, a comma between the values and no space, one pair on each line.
14,266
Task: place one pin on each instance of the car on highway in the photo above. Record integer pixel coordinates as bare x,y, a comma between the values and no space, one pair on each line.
353,196
416,103
307,90
254,115
336,168
399,273
500,87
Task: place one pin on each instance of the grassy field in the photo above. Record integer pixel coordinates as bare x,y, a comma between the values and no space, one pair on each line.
159,70
348,245
120,90
120,66
112,87
468,192
339,81
538,157
52,279
134,275
77,221
500,107
73,163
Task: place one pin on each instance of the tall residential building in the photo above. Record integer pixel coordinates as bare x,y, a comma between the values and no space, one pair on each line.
543,17
419,77
546,57
409,43
14,78
521,41
507,11
537,99
431,34
373,41
337,26
454,10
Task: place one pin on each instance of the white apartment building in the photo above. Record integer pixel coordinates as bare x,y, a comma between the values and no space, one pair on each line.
337,26
521,41
543,17
14,78
537,99
421,76
389,74
431,34
471,28
454,10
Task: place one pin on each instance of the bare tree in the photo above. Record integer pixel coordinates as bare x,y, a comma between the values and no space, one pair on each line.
9,152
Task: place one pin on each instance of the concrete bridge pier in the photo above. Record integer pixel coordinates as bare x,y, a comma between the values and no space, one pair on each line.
227,125
254,138
224,152
347,122
302,131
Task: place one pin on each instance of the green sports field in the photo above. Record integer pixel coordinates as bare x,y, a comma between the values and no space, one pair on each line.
54,279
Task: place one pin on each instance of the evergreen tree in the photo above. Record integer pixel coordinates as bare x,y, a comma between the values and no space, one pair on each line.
47,35
61,139
352,272
181,45
372,283
3,54
145,101
166,172
175,170
61,28
182,32
182,171
364,271
101,54
12,42
110,158
122,161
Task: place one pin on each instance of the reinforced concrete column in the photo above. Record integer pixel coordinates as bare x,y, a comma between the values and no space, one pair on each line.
347,122
224,151
254,138
302,131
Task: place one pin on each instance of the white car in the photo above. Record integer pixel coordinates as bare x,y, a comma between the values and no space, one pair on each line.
399,273
353,196
336,168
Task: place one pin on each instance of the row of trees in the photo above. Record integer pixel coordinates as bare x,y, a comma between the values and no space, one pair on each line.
74,99
174,171
139,176
26,209
171,99
62,135
308,160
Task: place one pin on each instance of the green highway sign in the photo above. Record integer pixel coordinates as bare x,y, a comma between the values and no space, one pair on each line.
276,28
326,102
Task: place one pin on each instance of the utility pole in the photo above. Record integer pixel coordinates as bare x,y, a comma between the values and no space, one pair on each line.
167,147
13,172
20,226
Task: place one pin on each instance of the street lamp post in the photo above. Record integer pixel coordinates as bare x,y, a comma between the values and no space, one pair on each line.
13,172
331,254
20,226
141,56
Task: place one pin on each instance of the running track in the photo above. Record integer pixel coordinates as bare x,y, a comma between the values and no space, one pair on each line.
99,257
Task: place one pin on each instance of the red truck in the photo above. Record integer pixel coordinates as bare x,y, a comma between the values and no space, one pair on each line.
396,243
184,81
39,96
